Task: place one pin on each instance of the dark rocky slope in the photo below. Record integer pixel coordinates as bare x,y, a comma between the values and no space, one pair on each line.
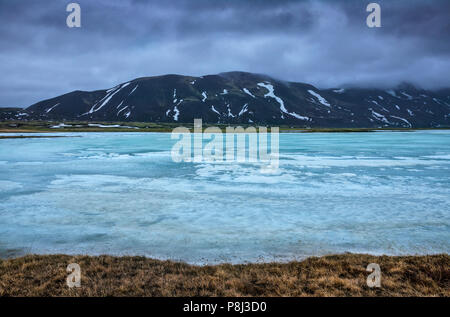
246,98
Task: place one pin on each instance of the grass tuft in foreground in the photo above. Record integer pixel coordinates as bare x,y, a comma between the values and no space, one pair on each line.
337,275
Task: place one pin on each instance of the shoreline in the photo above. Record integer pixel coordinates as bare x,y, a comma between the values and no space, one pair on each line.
33,136
144,130
331,275
82,126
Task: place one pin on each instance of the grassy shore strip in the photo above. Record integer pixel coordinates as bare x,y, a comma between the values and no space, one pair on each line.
158,128
335,275
170,129
32,136
83,126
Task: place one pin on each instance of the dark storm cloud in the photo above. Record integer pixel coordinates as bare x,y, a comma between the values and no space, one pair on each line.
326,43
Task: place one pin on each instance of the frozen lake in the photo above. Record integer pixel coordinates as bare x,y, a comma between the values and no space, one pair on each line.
121,194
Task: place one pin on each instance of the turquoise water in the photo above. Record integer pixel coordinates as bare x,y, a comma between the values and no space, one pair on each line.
121,194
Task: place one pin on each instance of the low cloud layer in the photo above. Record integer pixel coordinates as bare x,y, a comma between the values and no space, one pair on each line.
325,43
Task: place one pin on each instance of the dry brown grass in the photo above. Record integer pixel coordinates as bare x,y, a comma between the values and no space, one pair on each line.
14,130
337,275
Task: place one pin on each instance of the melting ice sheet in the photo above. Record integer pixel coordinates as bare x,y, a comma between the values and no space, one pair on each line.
121,194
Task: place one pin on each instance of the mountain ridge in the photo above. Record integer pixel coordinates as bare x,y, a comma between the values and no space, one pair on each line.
247,98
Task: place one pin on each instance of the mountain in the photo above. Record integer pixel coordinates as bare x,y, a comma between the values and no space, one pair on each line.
246,98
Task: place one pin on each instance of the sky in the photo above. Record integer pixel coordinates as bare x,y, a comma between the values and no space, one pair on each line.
323,43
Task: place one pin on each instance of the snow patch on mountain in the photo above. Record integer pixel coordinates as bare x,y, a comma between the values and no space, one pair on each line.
133,90
403,119
300,117
321,99
379,117
375,102
229,112
111,89
248,92
243,110
177,113
437,101
108,98
205,96
406,95
392,93
214,109
51,108
271,94
121,110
